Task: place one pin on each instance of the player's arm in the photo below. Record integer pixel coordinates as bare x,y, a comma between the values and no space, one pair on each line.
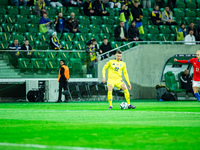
181,61
104,71
126,76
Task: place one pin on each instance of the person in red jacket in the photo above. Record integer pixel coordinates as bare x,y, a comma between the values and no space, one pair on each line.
196,76
63,78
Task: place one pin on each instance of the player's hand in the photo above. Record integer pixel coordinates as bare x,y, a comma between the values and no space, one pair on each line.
175,59
129,86
104,80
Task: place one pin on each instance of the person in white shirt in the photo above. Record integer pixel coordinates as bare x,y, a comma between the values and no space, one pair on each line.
190,39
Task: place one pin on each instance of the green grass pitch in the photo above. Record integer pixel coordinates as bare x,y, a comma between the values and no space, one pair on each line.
90,125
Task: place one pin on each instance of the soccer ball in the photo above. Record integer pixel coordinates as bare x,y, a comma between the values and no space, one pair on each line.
124,105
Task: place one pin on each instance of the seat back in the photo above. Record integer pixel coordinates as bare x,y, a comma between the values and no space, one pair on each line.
170,80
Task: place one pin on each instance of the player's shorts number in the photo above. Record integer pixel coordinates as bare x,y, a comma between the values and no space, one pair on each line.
197,69
116,68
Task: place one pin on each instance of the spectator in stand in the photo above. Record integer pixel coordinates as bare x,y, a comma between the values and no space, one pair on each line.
156,16
55,3
195,31
54,42
91,59
27,47
65,3
40,7
106,2
60,22
133,32
120,32
167,17
77,3
114,4
88,8
100,9
105,47
173,3
15,55
146,3
190,38
19,2
72,24
181,33
45,25
125,16
137,16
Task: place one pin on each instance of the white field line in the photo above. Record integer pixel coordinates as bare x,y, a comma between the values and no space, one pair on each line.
50,147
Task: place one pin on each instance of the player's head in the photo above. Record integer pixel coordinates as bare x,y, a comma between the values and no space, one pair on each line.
62,62
186,72
198,54
118,55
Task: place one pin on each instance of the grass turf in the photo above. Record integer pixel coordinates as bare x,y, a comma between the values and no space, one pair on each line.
152,125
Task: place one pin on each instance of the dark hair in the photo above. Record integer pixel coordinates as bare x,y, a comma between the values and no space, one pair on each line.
44,13
166,6
118,52
191,30
121,21
182,24
191,22
105,38
93,40
26,40
16,39
63,61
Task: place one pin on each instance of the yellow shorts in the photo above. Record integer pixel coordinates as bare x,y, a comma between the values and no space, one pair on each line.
115,83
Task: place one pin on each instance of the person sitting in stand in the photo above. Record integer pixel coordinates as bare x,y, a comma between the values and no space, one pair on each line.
100,9
27,47
156,16
72,24
133,32
54,42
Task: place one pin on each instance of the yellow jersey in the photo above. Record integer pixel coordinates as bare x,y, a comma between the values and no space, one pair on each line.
115,69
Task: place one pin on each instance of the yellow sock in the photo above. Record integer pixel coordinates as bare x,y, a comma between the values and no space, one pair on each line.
127,96
110,98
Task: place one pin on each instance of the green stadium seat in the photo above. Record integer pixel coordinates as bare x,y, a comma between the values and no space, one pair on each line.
111,12
178,20
108,20
3,45
51,11
197,19
79,45
52,55
61,9
126,47
191,5
115,44
145,21
10,18
153,37
25,64
187,20
18,36
5,36
172,37
80,37
34,19
20,28
95,30
42,37
145,13
12,10
67,44
171,83
52,64
104,35
83,29
22,19
75,11
38,64
153,29
180,5
174,28
143,36
75,66
179,14
43,47
82,17
116,20
67,36
106,28
96,21
163,37
117,11
191,14
2,19
92,35
85,22
183,1
62,55
165,31
24,10
198,14
7,27
33,28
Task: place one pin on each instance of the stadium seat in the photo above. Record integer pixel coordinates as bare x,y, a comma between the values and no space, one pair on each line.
96,21
180,5
79,45
145,13
187,20
92,35
25,64
85,21
34,19
171,83
191,5
42,47
165,31
3,45
20,28
179,14
106,28
2,11
104,35
75,66
163,37
80,37
12,10
67,36
10,18
61,9
52,64
108,20
24,10
67,44
111,12
2,19
51,11
18,36
33,28
7,27
83,29
153,37
178,20
5,36
38,64
198,14
42,37
115,44
94,29
163,27
191,14
153,29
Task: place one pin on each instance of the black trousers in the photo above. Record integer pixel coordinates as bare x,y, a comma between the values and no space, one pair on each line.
62,85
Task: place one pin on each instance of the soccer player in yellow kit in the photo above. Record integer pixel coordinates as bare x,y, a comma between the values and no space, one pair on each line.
115,68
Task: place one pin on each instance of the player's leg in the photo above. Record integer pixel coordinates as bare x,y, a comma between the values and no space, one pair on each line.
196,93
110,89
127,95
